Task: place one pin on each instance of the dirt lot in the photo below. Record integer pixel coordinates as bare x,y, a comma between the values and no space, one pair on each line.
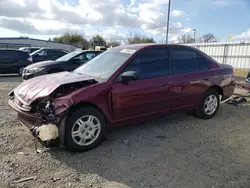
178,151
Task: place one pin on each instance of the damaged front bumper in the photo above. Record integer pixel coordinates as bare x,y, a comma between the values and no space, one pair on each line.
45,131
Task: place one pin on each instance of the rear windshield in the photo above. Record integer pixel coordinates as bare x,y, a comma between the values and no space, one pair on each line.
24,55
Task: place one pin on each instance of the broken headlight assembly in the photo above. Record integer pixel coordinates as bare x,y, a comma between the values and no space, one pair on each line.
46,109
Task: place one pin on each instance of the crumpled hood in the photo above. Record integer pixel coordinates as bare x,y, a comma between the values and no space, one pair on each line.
42,86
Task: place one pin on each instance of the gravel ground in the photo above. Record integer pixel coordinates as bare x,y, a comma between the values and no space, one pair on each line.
177,151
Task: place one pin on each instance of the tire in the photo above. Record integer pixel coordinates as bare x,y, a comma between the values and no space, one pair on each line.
20,71
84,131
203,112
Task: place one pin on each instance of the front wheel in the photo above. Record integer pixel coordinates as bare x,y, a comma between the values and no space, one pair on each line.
20,71
209,104
85,129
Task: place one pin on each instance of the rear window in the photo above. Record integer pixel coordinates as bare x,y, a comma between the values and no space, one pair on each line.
185,61
24,55
11,54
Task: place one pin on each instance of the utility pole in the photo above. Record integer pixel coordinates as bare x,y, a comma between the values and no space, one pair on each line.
169,4
194,33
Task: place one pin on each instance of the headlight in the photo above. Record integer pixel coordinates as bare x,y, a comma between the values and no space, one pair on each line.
34,70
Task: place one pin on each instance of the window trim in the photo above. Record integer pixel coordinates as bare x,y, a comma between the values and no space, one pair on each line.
116,80
187,49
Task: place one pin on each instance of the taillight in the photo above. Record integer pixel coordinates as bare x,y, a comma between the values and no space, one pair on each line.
30,59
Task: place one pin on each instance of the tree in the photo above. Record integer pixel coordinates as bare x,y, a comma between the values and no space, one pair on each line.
69,38
139,39
185,39
84,44
76,39
97,40
114,43
208,38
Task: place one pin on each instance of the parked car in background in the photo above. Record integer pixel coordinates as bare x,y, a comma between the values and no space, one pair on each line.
67,62
13,61
125,84
248,77
29,49
47,54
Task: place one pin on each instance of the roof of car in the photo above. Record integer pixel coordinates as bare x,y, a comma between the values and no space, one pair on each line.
11,49
140,46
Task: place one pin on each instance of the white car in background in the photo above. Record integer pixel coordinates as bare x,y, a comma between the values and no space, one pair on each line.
29,49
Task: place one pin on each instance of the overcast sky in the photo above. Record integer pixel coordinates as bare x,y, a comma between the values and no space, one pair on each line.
115,19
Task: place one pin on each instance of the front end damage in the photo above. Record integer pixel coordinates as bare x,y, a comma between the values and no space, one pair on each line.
46,117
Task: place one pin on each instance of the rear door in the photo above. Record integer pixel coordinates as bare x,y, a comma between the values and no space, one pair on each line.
190,77
150,93
52,54
59,53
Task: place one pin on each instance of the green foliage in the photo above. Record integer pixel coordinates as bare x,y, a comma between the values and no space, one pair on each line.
97,40
76,39
139,39
69,38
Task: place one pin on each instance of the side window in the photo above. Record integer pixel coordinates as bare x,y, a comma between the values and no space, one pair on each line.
204,63
51,53
90,55
60,53
184,61
150,63
42,53
23,55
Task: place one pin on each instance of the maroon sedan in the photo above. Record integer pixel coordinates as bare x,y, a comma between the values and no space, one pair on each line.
123,85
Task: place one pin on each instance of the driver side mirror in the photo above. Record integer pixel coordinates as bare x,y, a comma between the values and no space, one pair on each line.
128,76
37,55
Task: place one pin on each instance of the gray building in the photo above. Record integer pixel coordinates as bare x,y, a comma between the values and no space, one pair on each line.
30,42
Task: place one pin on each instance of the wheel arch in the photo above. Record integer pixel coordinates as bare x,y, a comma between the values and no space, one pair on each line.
74,107
218,89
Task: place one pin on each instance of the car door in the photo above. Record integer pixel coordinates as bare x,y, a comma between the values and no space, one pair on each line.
52,54
190,74
148,94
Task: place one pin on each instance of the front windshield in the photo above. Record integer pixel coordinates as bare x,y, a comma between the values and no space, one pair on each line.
35,52
104,65
68,56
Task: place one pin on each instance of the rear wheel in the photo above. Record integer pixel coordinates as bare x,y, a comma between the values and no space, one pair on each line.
85,129
209,104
